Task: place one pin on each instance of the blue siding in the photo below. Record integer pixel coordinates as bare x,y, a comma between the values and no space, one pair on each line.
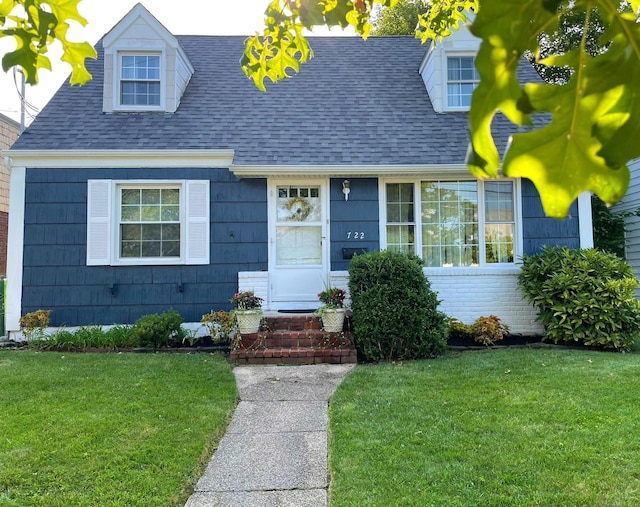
539,230
354,223
55,275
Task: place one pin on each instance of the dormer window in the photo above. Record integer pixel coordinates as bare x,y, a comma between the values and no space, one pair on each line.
140,80
448,71
145,67
462,79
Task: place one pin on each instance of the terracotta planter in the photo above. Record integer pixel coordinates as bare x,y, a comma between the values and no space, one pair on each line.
249,321
333,319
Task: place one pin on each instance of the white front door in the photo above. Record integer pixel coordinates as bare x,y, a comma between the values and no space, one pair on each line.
298,265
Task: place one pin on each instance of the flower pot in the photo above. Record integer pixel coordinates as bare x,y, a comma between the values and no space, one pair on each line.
333,319
249,321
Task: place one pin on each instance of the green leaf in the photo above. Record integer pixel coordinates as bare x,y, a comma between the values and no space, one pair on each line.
35,29
507,31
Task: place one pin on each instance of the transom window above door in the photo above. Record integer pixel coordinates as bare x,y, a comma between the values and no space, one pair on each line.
453,223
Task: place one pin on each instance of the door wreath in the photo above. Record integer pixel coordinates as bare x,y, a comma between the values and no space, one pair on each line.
299,209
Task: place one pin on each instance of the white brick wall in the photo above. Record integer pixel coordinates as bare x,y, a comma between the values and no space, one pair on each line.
257,281
473,293
464,294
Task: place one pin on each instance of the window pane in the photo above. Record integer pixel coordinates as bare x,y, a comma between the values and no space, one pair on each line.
130,196
151,249
299,245
499,243
401,238
432,256
150,213
499,201
450,223
128,67
130,213
130,232
170,232
151,232
130,249
157,233
151,196
400,202
170,213
170,249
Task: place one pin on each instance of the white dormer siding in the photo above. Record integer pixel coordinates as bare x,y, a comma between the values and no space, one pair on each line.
433,69
139,34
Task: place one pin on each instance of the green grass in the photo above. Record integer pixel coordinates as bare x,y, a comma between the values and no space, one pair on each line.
108,429
518,427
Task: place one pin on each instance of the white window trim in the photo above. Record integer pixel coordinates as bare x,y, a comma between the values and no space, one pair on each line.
518,242
125,261
118,54
103,231
445,55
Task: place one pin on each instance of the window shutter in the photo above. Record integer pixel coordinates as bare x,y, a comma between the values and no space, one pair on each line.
98,222
197,226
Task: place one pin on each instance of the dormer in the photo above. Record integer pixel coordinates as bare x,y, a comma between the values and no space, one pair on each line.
145,68
449,73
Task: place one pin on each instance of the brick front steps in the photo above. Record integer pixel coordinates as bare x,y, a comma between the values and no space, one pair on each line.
294,339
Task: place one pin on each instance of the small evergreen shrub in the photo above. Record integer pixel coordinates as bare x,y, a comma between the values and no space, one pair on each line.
585,296
395,312
158,330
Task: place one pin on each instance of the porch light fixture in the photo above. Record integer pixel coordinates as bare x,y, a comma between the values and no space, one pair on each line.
346,189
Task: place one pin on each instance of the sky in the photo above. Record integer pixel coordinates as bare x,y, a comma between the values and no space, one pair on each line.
200,17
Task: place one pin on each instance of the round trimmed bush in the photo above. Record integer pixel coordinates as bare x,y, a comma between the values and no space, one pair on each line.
395,312
586,296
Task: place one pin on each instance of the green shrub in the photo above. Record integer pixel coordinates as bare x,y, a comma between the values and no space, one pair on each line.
395,312
457,330
158,330
585,296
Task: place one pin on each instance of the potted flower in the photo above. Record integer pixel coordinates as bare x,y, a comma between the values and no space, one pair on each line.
333,310
248,311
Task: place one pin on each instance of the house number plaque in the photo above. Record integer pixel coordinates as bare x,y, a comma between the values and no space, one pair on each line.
355,235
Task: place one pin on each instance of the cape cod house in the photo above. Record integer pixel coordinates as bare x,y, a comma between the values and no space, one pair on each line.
170,181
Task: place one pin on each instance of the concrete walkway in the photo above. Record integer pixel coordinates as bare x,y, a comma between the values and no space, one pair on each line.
274,452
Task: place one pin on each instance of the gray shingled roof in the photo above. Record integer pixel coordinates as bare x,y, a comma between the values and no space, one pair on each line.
356,102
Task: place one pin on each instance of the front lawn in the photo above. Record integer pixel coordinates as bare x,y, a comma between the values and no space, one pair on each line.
518,427
108,429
